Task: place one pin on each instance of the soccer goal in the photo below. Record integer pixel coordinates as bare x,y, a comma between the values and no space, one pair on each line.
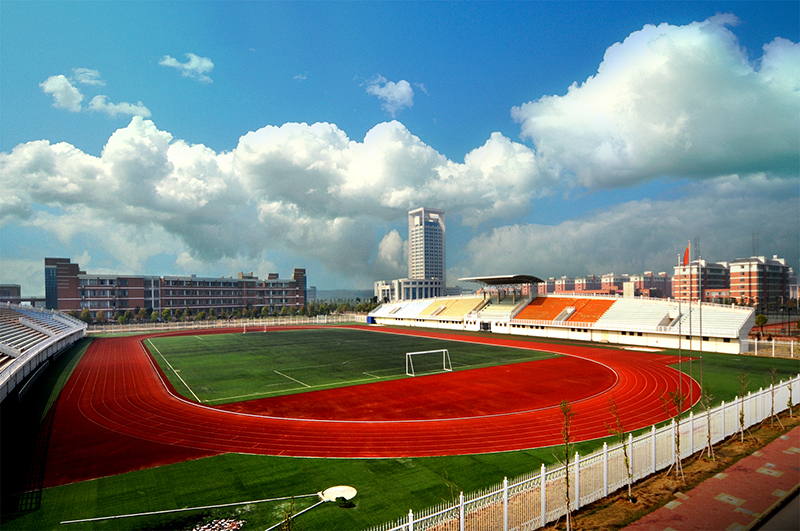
428,361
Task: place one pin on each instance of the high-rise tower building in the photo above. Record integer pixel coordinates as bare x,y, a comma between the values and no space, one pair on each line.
426,241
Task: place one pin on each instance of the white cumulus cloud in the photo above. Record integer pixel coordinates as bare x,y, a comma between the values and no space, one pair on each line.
395,96
101,104
65,95
195,67
674,100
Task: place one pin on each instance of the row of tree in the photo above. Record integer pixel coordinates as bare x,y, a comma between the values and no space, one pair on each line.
312,309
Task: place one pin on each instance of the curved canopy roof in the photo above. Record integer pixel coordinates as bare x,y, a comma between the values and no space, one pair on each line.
504,280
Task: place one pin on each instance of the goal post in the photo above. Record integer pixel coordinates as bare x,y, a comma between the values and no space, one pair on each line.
428,361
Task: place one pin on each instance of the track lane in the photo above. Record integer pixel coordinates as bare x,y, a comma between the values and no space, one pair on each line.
118,389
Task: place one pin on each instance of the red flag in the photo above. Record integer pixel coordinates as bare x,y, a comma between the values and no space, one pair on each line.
686,255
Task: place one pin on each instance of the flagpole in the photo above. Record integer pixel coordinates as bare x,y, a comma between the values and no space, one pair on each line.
680,336
691,337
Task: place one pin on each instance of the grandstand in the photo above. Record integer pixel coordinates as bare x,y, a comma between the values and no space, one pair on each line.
641,322
29,337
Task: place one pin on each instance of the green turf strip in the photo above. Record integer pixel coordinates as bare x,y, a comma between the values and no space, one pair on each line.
225,368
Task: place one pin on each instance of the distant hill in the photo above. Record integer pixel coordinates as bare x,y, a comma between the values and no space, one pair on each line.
343,294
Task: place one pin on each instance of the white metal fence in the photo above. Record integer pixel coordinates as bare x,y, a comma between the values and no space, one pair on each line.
770,347
247,324
532,501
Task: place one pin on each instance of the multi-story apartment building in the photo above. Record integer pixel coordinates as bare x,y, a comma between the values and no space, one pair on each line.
588,283
610,281
760,280
67,288
565,284
697,275
650,285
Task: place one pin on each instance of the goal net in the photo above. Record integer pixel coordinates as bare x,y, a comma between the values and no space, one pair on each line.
427,362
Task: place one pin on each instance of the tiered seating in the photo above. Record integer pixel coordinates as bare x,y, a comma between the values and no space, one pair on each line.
590,310
408,309
16,335
545,308
461,307
47,321
498,310
637,314
722,321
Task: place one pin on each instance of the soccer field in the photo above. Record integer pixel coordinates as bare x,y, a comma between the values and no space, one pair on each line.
222,368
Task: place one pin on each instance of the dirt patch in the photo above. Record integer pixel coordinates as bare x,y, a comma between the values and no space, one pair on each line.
616,512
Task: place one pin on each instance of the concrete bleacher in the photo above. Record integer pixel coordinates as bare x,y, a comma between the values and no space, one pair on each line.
550,308
15,334
502,309
637,314
719,320
29,338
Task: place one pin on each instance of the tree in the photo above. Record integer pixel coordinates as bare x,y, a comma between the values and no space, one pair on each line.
618,431
154,316
675,399
86,316
772,416
128,316
142,315
707,398
201,316
744,381
566,437
101,316
761,320
265,312
166,314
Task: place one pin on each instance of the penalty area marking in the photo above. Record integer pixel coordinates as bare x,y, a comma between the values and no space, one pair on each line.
292,379
173,370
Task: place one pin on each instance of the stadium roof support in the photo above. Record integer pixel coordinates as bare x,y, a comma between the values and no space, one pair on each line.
504,280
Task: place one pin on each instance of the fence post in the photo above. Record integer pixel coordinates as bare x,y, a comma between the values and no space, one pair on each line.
724,434
675,456
461,524
773,347
605,469
630,458
505,504
691,432
756,346
410,520
543,492
653,439
577,481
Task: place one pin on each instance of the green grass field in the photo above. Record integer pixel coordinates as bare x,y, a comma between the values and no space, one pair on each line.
221,368
387,488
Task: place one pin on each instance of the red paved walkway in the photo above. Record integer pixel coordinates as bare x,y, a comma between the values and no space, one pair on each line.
737,498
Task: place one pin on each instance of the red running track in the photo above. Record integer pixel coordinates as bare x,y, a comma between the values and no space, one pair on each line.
118,413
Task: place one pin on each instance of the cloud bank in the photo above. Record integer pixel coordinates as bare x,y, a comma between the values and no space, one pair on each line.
684,105
674,100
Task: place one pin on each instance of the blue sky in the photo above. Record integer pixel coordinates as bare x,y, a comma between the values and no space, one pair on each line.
561,138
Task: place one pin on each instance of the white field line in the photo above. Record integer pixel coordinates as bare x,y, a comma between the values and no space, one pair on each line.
173,370
292,379
321,386
198,337
183,509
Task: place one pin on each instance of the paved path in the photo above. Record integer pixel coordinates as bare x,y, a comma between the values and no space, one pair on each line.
737,498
